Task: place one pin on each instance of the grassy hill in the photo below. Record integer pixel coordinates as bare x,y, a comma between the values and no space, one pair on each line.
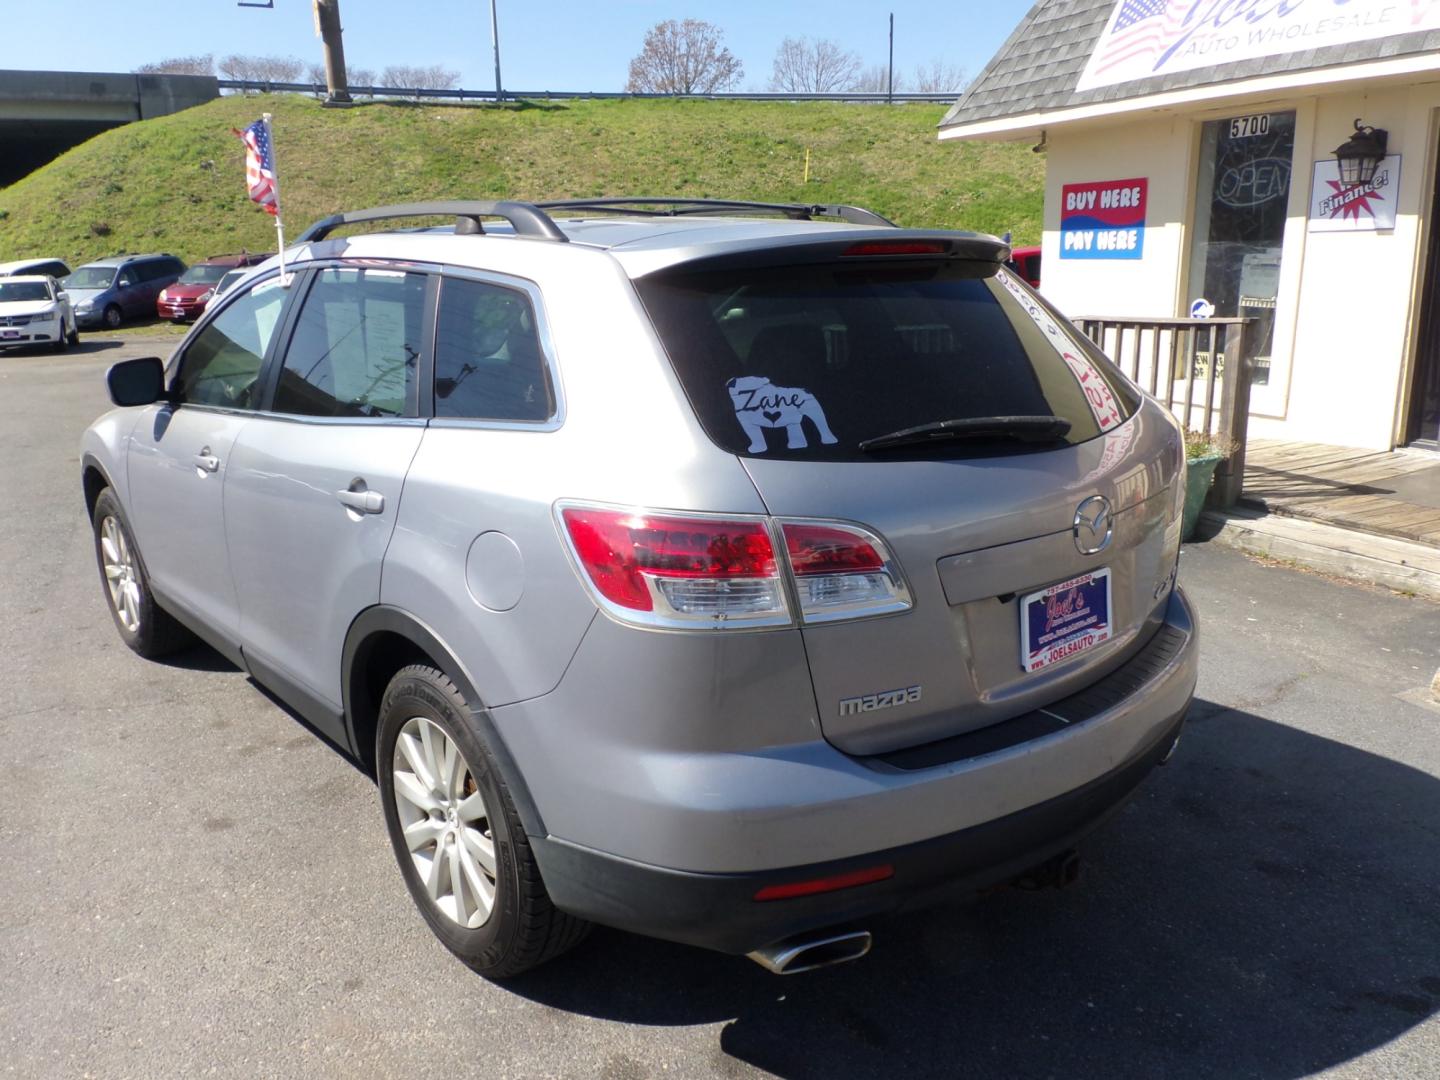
176,183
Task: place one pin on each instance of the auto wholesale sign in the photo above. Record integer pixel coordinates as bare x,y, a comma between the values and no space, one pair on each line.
1103,220
1146,38
1359,207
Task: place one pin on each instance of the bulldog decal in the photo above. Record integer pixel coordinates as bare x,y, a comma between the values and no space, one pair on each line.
760,404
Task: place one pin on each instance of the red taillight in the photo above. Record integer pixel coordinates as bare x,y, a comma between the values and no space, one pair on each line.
842,572
693,571
826,884
896,247
684,570
824,549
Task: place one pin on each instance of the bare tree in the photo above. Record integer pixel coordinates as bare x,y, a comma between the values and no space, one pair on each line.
180,65
938,77
876,80
803,66
275,69
683,58
354,77
405,77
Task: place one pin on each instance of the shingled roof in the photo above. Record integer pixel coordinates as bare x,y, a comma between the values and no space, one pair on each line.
1040,64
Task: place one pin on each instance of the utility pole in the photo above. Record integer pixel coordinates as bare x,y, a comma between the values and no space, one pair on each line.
890,74
495,38
327,26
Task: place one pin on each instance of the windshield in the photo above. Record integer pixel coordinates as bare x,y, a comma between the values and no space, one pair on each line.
91,277
203,275
23,290
811,362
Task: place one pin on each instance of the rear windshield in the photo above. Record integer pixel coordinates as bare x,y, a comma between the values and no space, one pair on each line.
807,362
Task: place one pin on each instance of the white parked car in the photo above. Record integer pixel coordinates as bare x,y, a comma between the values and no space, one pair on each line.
34,310
56,268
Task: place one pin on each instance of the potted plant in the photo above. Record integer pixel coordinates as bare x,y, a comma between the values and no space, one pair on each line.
1203,452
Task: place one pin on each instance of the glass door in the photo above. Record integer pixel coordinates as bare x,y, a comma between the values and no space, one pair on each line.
1241,203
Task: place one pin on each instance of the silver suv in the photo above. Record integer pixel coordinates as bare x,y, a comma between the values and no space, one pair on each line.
723,577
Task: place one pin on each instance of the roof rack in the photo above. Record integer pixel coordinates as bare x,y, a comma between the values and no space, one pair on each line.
675,207
526,219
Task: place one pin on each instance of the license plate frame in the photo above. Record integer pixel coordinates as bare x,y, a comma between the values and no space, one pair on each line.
1065,619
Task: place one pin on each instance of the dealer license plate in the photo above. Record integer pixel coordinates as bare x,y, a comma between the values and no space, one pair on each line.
9,333
1064,620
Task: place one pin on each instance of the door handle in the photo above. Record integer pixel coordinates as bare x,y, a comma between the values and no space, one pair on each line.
362,501
206,462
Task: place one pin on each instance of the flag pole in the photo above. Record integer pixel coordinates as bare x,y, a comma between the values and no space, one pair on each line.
279,221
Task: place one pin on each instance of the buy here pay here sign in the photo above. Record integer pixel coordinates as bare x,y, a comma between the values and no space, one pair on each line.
1103,220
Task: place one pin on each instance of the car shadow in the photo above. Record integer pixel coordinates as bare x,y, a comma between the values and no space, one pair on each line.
1266,906
203,658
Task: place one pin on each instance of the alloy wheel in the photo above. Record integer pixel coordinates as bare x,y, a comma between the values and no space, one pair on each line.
121,574
445,823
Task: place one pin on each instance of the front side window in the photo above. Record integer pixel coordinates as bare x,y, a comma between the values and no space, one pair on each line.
355,346
488,361
222,365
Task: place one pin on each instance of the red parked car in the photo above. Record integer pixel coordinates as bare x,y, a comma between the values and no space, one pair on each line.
1025,261
185,300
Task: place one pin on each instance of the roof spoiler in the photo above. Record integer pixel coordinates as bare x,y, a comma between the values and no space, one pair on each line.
677,207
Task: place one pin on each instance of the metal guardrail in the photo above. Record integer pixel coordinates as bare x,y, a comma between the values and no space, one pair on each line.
413,93
1182,362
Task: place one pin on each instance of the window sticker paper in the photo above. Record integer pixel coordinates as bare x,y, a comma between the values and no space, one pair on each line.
1097,393
760,404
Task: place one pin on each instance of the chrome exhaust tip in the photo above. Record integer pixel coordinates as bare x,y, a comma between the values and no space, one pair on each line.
806,952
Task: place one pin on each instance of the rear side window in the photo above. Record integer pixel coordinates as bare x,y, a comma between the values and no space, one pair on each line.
488,361
222,365
808,362
355,346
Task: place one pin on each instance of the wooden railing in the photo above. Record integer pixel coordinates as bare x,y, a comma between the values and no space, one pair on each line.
1185,363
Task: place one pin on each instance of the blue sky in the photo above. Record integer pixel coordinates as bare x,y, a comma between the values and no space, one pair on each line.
559,45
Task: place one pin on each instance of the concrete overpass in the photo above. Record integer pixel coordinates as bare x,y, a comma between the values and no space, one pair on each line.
44,113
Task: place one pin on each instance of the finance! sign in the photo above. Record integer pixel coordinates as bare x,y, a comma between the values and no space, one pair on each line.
1147,38
1104,220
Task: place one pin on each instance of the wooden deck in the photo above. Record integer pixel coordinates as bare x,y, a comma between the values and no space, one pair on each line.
1393,494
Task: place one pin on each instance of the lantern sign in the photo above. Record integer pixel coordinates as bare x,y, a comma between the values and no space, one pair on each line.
1337,206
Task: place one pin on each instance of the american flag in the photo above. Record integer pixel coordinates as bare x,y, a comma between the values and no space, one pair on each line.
1143,28
260,166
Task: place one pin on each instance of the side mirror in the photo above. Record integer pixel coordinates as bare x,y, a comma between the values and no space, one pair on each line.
62,295
125,283
136,382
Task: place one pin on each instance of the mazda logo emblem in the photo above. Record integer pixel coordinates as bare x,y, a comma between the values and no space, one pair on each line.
1093,525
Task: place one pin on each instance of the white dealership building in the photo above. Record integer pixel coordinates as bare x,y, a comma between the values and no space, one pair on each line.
1192,164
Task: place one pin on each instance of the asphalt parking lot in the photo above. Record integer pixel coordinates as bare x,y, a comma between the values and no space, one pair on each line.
193,884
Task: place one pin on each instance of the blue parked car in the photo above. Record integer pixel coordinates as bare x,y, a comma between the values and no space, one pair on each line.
109,291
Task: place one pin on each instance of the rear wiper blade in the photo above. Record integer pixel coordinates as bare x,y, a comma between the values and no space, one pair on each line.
1037,429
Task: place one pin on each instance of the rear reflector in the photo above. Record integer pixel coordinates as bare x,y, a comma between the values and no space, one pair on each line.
679,571
897,247
826,884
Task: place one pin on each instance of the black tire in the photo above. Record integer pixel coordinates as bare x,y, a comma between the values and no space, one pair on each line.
114,316
61,343
523,929
157,632
74,336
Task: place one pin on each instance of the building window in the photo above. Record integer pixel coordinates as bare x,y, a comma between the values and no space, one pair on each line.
1240,209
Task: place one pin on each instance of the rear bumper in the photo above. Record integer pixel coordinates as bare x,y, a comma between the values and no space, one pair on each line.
719,911
966,812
